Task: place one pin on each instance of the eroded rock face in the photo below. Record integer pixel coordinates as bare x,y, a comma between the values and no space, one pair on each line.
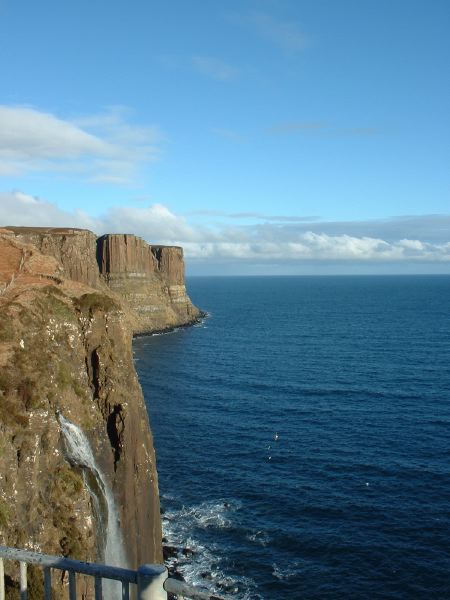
74,249
149,278
65,345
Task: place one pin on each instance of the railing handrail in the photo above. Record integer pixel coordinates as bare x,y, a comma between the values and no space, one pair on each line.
96,570
69,564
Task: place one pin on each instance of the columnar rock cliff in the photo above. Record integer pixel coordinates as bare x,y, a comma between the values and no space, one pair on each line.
149,278
66,324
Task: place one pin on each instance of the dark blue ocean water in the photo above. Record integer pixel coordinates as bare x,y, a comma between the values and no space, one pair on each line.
352,376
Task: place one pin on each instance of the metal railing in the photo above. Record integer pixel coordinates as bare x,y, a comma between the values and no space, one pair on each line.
151,581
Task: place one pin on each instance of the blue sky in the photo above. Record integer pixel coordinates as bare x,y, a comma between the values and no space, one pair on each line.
265,137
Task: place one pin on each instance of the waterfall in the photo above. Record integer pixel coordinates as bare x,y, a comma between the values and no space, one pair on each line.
78,452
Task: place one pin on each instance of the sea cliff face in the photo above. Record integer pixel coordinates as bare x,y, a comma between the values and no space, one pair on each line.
66,328
149,278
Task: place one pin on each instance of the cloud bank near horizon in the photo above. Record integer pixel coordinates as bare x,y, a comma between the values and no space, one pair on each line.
401,240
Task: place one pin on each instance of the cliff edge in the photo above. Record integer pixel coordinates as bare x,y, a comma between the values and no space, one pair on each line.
69,304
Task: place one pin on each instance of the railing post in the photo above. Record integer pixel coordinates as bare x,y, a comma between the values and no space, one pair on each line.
2,580
150,579
23,580
47,584
72,585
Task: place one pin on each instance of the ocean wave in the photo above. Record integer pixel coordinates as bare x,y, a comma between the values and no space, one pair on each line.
216,514
200,562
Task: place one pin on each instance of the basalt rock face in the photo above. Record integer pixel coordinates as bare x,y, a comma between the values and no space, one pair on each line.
65,348
149,278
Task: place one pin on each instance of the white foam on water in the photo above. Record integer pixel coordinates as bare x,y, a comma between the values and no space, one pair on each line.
200,564
168,332
167,497
286,572
259,537
208,514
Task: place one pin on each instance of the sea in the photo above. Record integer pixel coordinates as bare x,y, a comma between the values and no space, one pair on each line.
302,433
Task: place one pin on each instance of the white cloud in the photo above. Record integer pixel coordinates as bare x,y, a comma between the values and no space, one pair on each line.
267,243
18,208
25,133
412,245
114,126
154,223
100,147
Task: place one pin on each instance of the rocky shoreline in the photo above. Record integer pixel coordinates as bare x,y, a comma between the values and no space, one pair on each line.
202,315
171,554
179,557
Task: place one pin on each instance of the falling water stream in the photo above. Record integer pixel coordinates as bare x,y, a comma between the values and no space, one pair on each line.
78,452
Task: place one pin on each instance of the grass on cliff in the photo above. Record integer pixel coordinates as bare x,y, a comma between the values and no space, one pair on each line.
54,303
4,513
17,397
6,329
24,381
66,485
88,304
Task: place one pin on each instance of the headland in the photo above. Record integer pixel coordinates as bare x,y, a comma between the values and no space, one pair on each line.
70,303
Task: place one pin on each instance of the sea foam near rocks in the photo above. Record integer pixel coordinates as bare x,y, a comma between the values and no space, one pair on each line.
200,562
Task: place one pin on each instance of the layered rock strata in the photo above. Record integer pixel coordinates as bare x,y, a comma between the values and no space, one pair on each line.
66,327
149,278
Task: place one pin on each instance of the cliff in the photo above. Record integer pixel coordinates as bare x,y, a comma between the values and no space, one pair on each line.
149,278
66,328
74,249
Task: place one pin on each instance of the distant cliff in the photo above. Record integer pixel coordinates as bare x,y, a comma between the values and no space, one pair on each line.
149,278
69,304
